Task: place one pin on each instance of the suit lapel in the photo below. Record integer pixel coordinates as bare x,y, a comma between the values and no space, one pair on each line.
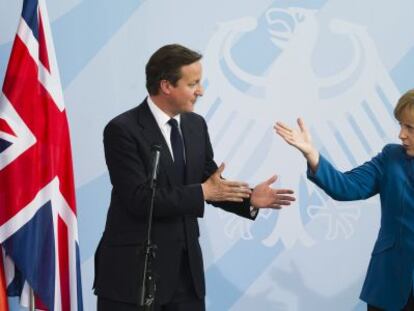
191,145
152,134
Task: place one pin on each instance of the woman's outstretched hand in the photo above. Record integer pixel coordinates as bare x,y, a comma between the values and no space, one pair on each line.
301,139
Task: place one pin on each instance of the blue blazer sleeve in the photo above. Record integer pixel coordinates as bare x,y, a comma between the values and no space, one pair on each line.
359,183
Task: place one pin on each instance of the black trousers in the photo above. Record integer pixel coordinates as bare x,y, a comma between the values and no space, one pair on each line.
408,307
184,299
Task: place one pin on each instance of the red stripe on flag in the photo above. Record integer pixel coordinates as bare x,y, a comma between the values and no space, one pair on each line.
4,127
51,154
64,264
39,304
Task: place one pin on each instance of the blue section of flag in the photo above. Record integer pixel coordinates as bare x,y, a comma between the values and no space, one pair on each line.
16,286
33,249
29,14
4,144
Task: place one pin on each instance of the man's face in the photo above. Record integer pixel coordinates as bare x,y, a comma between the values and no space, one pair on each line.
186,91
407,131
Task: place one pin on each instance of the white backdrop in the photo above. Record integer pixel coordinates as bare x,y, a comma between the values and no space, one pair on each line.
340,64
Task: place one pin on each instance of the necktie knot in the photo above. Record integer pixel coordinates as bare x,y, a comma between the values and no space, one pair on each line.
173,123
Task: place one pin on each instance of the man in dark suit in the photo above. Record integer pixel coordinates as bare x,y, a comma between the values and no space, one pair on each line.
188,176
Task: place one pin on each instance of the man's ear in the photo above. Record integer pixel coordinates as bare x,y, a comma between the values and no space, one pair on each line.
165,87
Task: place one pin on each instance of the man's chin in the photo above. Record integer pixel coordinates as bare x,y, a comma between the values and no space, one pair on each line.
185,109
189,108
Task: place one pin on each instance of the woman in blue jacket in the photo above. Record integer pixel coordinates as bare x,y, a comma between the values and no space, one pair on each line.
389,280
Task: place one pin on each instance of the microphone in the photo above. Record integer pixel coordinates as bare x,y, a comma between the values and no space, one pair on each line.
156,151
148,286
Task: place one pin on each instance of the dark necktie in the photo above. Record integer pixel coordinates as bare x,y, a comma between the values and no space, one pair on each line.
178,149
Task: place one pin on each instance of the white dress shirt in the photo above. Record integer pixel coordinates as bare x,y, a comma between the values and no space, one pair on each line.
162,120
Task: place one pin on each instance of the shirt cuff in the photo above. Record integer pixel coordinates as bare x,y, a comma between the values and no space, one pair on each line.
253,211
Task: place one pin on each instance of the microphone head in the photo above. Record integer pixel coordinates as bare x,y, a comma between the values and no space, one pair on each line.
155,148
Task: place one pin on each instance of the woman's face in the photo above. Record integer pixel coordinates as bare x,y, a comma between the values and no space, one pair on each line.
407,131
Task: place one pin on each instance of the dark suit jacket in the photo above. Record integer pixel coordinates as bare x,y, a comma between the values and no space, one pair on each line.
128,139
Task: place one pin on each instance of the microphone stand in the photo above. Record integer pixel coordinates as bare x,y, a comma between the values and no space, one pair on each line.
146,295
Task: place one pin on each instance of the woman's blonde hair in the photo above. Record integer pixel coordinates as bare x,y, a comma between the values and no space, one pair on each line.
405,102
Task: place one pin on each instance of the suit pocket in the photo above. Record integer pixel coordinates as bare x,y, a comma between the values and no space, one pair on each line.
383,244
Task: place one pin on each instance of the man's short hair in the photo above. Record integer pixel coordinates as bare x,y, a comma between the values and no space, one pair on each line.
406,102
166,63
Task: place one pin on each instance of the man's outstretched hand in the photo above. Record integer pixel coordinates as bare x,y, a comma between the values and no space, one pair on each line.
264,196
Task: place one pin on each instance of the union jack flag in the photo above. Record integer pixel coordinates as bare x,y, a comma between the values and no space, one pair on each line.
38,223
